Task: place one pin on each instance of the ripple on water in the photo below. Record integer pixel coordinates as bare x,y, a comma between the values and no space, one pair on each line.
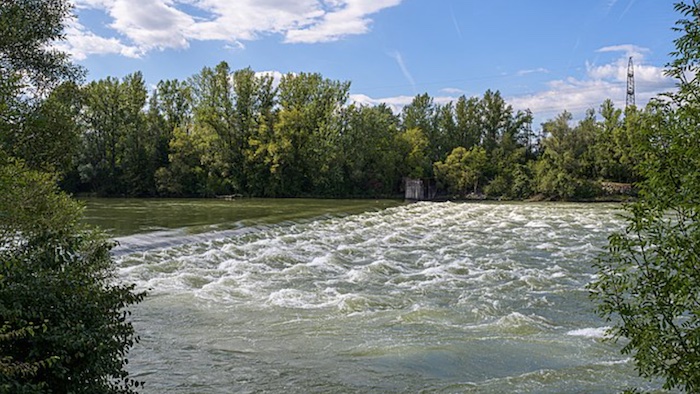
423,292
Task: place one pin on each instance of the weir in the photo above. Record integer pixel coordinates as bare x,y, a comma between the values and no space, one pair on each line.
449,297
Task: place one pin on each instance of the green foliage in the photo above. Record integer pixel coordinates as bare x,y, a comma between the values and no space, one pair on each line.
414,144
118,156
498,120
306,135
64,323
37,130
566,168
27,62
370,160
187,173
462,170
648,281
685,67
420,115
468,129
223,132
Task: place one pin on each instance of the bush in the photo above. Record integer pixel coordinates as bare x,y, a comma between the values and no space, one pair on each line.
65,326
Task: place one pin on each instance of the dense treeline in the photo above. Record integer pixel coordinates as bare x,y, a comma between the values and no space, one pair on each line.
224,132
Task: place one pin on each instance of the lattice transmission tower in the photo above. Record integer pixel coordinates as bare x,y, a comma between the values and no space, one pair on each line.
630,84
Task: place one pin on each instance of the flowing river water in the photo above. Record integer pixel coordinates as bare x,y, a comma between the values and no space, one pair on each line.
367,297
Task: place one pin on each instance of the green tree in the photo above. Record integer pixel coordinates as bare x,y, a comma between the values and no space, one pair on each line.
413,145
468,128
29,71
612,154
48,136
509,171
445,130
565,169
497,120
169,107
119,156
139,147
260,139
215,109
303,152
188,173
420,114
462,170
63,323
648,282
64,327
368,146
27,62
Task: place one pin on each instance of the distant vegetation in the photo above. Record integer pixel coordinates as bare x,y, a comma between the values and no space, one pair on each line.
224,132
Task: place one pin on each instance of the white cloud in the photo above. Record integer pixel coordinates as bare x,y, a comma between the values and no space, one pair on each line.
452,91
345,18
163,24
575,95
396,103
276,76
93,3
600,82
540,70
628,49
151,24
80,43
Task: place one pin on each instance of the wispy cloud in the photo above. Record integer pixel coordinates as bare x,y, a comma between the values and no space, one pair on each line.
455,23
629,6
396,103
145,25
609,6
576,95
396,55
629,50
602,81
452,91
540,70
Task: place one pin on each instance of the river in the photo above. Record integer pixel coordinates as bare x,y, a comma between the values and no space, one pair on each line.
313,296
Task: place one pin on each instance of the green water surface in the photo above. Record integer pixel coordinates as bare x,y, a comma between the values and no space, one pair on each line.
123,216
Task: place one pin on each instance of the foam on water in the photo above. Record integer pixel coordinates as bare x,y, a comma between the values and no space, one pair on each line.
420,276
458,249
590,332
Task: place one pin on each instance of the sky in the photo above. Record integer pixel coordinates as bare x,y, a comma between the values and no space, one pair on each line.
543,55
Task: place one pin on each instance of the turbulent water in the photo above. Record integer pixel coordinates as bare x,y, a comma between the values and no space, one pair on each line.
426,297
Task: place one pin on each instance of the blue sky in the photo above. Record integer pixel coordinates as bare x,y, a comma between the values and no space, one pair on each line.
545,55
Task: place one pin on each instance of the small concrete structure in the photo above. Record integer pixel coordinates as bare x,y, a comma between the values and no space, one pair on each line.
420,189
